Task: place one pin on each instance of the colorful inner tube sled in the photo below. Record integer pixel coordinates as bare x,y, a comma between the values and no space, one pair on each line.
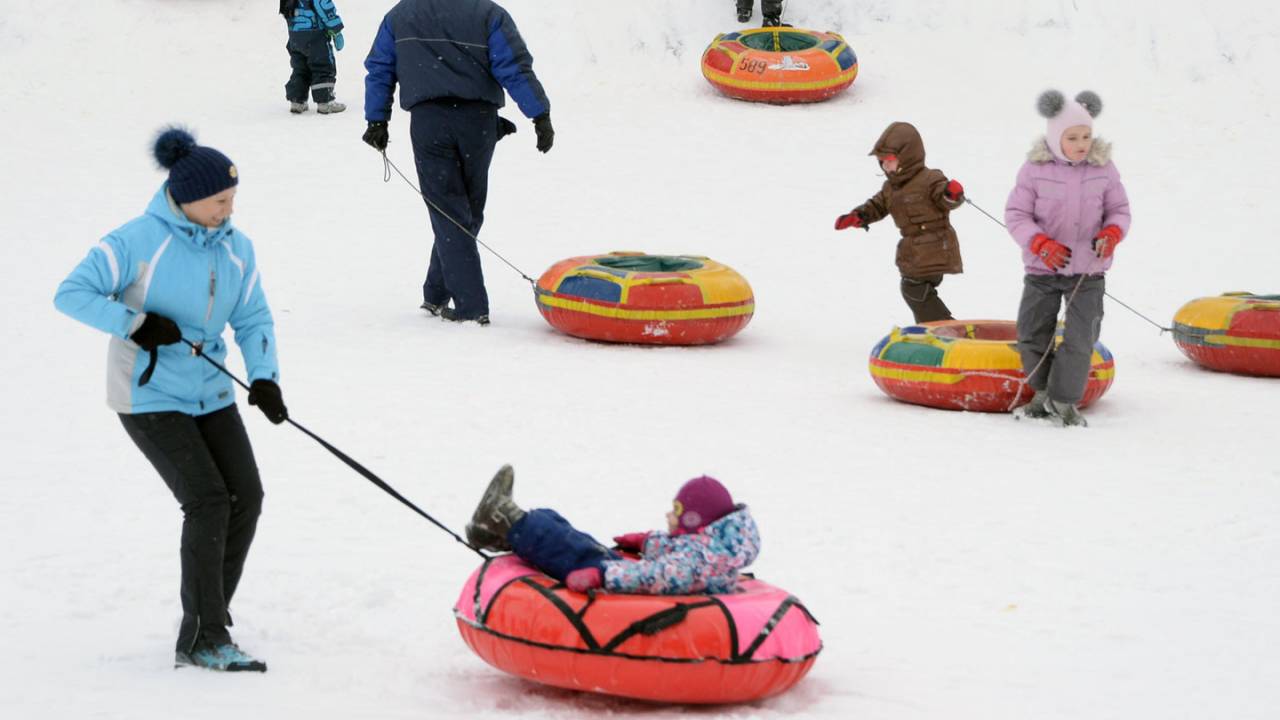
967,365
632,297
780,65
1233,332
698,649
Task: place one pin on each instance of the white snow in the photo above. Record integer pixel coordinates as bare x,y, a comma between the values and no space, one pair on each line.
963,565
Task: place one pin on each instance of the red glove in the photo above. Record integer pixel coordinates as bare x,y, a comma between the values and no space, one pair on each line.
954,190
631,541
849,220
584,579
1104,244
1052,253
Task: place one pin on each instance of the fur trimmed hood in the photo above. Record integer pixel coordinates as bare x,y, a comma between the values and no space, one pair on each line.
1099,155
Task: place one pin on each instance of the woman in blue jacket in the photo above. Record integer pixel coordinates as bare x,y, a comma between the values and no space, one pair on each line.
181,272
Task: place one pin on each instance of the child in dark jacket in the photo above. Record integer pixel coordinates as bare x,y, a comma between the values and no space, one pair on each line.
313,24
708,541
920,200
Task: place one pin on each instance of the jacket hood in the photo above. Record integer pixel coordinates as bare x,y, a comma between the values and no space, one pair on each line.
166,210
1099,154
901,139
737,532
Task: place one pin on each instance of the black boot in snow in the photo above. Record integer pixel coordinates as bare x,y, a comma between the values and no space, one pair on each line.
744,15
495,514
772,21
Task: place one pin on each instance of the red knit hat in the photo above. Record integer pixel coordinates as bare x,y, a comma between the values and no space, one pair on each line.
700,502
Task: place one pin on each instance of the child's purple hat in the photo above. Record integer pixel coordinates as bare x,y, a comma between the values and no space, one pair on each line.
700,502
1063,114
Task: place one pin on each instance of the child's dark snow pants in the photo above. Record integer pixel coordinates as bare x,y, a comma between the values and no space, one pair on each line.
546,540
208,464
314,69
921,294
453,142
768,8
1065,371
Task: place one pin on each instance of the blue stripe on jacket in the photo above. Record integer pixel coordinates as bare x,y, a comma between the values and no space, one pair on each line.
380,77
512,66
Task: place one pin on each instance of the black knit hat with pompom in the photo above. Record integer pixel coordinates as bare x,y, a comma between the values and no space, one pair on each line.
195,171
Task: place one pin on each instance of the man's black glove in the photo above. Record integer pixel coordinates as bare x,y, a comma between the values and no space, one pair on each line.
376,136
266,395
546,134
505,127
156,330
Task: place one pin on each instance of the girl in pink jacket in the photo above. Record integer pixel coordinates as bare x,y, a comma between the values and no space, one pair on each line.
1068,211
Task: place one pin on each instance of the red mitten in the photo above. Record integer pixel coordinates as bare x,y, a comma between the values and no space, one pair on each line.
584,579
954,190
631,541
849,220
1052,253
1105,242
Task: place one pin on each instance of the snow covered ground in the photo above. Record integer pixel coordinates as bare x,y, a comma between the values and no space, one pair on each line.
962,565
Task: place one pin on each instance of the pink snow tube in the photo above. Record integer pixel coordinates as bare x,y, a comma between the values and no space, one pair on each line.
668,648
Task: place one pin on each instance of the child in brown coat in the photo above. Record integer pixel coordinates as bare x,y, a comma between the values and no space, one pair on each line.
920,200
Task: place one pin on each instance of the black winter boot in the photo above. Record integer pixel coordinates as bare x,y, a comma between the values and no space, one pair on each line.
495,514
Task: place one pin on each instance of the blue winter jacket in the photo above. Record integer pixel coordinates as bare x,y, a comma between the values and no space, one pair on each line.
201,279
467,49
315,15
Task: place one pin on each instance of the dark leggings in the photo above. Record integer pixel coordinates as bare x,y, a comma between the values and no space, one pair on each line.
208,464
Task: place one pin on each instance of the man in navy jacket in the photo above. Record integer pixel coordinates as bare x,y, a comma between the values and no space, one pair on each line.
452,60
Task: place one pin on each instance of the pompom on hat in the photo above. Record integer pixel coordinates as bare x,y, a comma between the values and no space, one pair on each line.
1062,115
195,171
700,502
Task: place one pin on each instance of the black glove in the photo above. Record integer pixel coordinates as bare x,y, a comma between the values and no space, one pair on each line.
266,395
505,127
546,135
376,136
156,330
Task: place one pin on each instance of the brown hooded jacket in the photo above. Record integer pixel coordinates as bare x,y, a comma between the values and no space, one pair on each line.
915,196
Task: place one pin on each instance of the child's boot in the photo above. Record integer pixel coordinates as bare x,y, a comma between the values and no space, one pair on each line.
745,10
331,107
1036,409
772,21
495,514
297,107
1067,413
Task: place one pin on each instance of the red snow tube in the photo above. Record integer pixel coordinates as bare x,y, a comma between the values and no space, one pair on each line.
697,649
1234,332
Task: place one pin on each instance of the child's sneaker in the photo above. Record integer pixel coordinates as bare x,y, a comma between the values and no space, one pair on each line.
1066,413
1037,409
223,657
495,514
298,108
328,108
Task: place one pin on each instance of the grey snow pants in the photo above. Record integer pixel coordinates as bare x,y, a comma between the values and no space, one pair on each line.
1064,371
208,464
